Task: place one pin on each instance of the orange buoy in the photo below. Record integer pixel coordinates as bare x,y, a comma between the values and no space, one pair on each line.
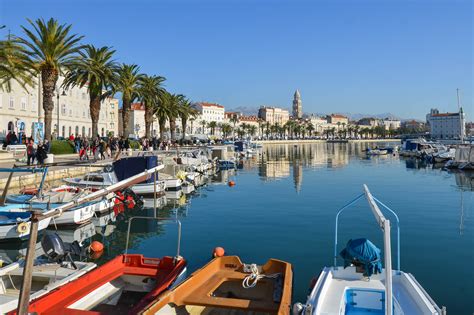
231,183
96,255
218,252
96,246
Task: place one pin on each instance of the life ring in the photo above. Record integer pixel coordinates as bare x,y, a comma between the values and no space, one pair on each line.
22,228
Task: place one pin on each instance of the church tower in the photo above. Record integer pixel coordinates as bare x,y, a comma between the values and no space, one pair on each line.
297,106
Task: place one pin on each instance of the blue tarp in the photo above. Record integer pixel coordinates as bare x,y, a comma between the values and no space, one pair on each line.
362,252
128,167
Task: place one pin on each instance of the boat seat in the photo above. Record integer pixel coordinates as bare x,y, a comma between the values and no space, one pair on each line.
239,297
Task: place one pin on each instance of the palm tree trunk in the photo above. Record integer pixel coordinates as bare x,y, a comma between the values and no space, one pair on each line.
125,116
183,125
173,129
49,77
148,120
94,106
162,123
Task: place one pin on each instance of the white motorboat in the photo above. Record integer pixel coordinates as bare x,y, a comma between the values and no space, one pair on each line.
46,278
377,152
79,234
150,202
108,177
362,286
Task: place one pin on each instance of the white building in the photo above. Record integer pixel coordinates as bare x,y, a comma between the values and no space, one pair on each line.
273,115
24,107
446,125
208,112
391,124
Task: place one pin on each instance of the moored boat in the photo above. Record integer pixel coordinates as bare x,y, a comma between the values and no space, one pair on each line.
15,223
362,286
125,284
227,286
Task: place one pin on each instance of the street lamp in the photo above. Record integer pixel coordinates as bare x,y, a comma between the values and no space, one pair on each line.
57,97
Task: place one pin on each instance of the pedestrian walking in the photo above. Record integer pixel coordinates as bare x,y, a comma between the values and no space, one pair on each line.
30,152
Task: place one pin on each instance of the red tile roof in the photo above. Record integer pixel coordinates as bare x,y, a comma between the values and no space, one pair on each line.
338,116
205,104
137,106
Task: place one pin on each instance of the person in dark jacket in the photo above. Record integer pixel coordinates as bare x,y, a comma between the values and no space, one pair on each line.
30,152
41,153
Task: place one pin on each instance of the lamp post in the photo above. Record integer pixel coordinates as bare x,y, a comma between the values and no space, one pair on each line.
57,98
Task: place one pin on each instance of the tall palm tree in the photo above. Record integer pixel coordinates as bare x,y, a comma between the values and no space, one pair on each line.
49,48
173,102
212,125
186,111
127,82
151,93
162,112
234,120
94,68
13,66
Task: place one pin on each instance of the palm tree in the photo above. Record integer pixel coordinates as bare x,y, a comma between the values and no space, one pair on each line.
172,102
49,48
95,69
234,120
212,125
128,83
203,125
226,130
13,66
252,130
151,92
185,112
310,128
162,112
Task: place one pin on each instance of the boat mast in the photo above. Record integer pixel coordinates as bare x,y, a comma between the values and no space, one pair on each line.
461,133
384,224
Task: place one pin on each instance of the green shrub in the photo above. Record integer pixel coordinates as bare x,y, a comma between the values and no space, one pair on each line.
62,147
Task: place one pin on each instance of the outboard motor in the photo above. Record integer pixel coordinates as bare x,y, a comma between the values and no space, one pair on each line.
53,246
55,249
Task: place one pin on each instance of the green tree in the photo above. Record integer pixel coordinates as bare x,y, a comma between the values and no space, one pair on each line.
186,111
151,92
95,69
212,125
226,130
127,82
48,49
13,66
203,125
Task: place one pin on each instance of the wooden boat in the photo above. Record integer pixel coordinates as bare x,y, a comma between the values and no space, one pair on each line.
126,283
46,278
362,286
227,286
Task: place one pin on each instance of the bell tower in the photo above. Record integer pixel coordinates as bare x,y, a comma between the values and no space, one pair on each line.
297,106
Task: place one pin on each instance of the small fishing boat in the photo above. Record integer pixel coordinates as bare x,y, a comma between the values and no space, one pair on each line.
227,164
15,222
362,286
377,151
125,284
54,198
227,286
48,274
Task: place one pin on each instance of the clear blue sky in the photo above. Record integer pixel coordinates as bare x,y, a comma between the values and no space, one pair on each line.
353,56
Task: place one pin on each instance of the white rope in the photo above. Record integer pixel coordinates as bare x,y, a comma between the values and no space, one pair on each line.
251,280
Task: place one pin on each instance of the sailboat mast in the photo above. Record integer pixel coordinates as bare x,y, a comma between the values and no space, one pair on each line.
461,133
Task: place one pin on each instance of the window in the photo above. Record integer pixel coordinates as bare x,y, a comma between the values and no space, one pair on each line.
84,115
83,95
112,106
70,130
23,103
83,130
70,112
63,109
64,131
12,103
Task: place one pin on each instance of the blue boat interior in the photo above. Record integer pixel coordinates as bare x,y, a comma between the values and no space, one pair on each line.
364,301
7,217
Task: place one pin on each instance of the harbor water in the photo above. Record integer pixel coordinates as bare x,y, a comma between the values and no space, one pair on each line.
284,205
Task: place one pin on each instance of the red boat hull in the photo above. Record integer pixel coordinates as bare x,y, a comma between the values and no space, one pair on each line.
164,271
